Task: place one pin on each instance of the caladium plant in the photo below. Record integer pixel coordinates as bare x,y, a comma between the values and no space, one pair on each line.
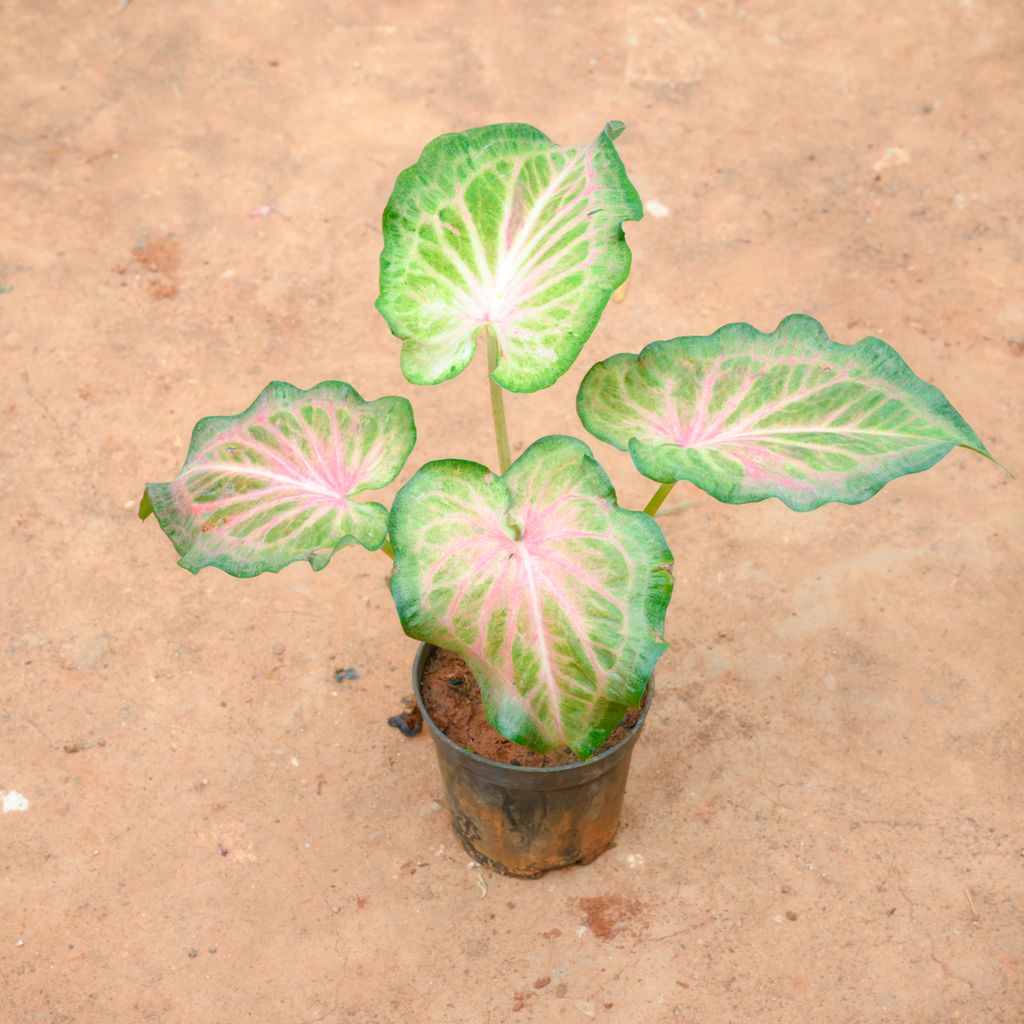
552,592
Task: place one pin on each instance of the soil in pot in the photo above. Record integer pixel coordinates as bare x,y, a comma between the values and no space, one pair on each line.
452,698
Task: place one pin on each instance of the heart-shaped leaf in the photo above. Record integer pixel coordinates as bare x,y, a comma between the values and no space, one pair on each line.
790,415
500,228
275,484
554,595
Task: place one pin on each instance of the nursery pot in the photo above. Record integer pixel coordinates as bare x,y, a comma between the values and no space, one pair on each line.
525,821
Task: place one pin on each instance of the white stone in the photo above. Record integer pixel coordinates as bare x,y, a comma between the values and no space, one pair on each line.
14,801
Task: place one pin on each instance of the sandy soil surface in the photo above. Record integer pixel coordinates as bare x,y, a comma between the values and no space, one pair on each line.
824,822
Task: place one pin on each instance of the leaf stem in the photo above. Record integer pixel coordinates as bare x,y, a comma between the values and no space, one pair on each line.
497,402
659,496
387,548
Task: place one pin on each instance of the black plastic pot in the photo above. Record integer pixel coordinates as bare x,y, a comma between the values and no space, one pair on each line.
525,821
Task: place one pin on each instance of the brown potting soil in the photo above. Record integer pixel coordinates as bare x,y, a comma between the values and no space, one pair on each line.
452,698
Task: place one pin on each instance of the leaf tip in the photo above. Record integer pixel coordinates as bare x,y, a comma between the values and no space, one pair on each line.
613,129
980,449
318,558
145,505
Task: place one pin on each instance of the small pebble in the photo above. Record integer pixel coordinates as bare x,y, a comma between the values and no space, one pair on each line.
13,801
342,674
542,982
213,949
335,910
193,952
791,914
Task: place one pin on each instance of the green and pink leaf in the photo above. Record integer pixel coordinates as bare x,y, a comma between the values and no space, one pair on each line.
500,228
791,415
554,595
276,484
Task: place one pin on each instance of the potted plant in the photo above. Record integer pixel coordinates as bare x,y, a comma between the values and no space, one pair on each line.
540,602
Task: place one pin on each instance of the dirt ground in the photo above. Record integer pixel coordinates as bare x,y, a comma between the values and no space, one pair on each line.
824,823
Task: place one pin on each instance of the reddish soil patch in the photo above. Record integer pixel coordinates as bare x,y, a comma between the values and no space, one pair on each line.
609,916
452,699
160,258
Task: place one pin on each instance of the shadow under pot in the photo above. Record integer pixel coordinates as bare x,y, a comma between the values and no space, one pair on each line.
525,821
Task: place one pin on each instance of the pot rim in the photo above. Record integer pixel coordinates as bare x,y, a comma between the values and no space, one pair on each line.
419,665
